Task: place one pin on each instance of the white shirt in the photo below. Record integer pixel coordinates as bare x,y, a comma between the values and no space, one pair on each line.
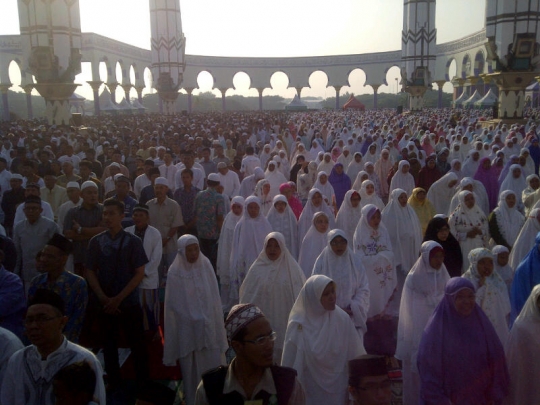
230,183
153,249
169,173
198,177
47,212
140,182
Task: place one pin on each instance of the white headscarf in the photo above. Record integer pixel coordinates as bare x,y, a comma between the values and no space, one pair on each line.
326,189
372,198
193,316
358,181
492,296
522,356
225,242
422,292
354,167
312,245
509,220
348,273
311,344
405,181
248,241
404,229
348,217
306,217
285,223
273,286
525,239
516,185
440,194
266,199
275,178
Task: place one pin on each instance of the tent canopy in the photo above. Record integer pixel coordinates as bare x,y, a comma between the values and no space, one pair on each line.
471,100
489,100
354,104
296,104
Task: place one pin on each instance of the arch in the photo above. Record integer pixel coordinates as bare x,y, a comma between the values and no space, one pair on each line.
105,70
318,85
133,74
451,69
356,78
279,85
479,63
242,85
392,79
466,66
120,71
205,81
15,73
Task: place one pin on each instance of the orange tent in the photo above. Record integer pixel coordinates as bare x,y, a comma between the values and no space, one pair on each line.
354,103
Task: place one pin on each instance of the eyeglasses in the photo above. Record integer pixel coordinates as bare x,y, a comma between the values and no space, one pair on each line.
261,341
342,242
385,385
39,320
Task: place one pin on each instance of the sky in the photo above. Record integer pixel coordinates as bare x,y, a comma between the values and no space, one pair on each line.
271,28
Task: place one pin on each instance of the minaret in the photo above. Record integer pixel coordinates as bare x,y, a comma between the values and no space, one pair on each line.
168,50
418,41
51,44
513,51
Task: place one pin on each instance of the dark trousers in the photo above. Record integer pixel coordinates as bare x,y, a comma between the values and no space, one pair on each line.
130,320
209,248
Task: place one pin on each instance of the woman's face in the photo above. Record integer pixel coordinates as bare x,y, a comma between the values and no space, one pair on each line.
370,189
436,260
339,245
280,207
328,297
253,210
534,183
503,258
516,173
237,209
316,200
442,234
457,166
355,200
273,251
405,169
375,220
431,164
192,252
266,189
421,196
486,164
510,200
485,267
321,223
402,199
323,178
339,169
469,201
464,302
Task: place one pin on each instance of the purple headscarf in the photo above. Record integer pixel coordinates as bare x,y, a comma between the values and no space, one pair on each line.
488,177
461,359
340,182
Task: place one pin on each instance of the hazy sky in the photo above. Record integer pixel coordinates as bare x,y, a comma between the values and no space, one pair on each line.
271,28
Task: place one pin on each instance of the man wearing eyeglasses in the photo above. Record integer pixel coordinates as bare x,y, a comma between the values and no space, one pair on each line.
30,371
369,383
251,378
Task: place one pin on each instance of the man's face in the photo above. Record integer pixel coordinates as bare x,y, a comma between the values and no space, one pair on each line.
32,211
15,184
258,355
51,259
122,188
140,219
67,168
31,191
160,190
372,391
84,171
50,181
44,324
112,216
73,194
186,179
90,195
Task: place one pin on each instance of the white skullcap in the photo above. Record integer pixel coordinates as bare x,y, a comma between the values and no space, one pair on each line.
214,177
16,176
87,184
73,184
161,181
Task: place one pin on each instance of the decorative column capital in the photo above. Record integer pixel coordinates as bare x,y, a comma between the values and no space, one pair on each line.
4,87
223,90
440,83
127,87
338,89
28,88
112,86
189,90
95,84
260,90
375,87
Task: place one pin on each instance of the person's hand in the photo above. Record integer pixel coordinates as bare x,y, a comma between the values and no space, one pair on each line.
110,305
75,226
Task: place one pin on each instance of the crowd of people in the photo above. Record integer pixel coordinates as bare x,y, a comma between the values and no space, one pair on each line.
303,257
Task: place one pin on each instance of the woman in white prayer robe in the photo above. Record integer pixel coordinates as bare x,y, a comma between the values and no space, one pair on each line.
402,178
319,342
326,189
441,192
505,222
274,177
491,291
422,292
523,357
282,219
223,261
360,178
373,245
369,196
314,204
262,190
248,241
525,239
469,225
468,183
531,194
194,327
272,283
349,214
356,165
338,262
313,243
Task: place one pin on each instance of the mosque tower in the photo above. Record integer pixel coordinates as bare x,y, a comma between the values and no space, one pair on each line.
418,41
513,52
168,51
51,45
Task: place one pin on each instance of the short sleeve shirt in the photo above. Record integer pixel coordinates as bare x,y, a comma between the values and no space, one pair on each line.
115,260
208,206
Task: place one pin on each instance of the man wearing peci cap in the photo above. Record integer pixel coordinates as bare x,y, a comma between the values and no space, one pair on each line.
70,287
229,180
83,222
251,377
209,215
29,237
369,383
33,189
73,191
